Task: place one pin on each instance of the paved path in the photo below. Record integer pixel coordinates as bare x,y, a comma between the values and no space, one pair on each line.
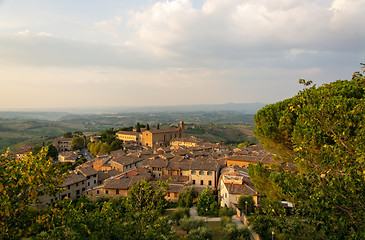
237,220
194,214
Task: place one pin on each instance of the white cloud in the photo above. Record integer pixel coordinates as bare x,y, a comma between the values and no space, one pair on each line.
110,27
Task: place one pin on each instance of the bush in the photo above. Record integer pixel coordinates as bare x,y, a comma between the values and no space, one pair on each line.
189,224
178,214
201,233
225,220
226,211
232,232
187,196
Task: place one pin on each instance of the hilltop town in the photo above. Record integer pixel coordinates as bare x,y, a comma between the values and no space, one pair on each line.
162,154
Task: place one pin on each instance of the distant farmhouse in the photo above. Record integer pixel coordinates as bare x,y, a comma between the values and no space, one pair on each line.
153,137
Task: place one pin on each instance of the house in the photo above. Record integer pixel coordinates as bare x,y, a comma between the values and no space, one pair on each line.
68,157
62,144
125,163
185,142
130,136
234,182
91,176
119,185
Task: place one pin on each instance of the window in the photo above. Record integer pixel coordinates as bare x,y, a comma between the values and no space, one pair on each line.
88,177
210,183
193,181
83,189
69,195
77,184
117,191
193,172
77,192
201,172
175,194
94,181
106,192
97,191
83,182
88,183
209,173
201,182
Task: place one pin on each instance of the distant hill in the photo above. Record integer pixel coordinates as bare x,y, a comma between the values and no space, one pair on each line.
56,113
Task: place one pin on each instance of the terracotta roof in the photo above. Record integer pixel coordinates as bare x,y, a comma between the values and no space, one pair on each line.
128,133
105,175
175,178
241,189
122,183
167,130
87,171
176,188
73,178
158,162
125,160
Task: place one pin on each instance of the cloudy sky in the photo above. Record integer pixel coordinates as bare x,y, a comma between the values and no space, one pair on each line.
95,53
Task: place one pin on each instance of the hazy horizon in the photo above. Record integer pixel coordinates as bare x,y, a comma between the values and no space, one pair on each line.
106,54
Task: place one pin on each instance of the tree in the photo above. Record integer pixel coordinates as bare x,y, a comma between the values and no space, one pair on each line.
320,133
67,135
179,213
200,233
22,182
77,143
52,151
246,201
145,204
206,204
138,127
148,127
187,196
188,224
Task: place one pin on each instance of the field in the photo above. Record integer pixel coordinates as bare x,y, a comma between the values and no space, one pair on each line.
17,128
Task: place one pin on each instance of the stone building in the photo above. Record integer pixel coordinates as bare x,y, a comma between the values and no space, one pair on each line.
62,144
153,137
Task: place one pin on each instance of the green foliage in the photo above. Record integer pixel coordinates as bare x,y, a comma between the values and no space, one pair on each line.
148,127
145,196
52,151
232,232
200,233
117,218
225,220
77,143
226,211
67,135
188,224
187,196
206,204
178,214
108,143
250,204
138,127
321,132
245,144
22,182
126,129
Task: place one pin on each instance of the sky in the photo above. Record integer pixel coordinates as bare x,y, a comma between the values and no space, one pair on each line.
110,53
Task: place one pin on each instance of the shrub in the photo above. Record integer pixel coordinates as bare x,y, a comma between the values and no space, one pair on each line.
201,233
179,213
226,211
189,224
